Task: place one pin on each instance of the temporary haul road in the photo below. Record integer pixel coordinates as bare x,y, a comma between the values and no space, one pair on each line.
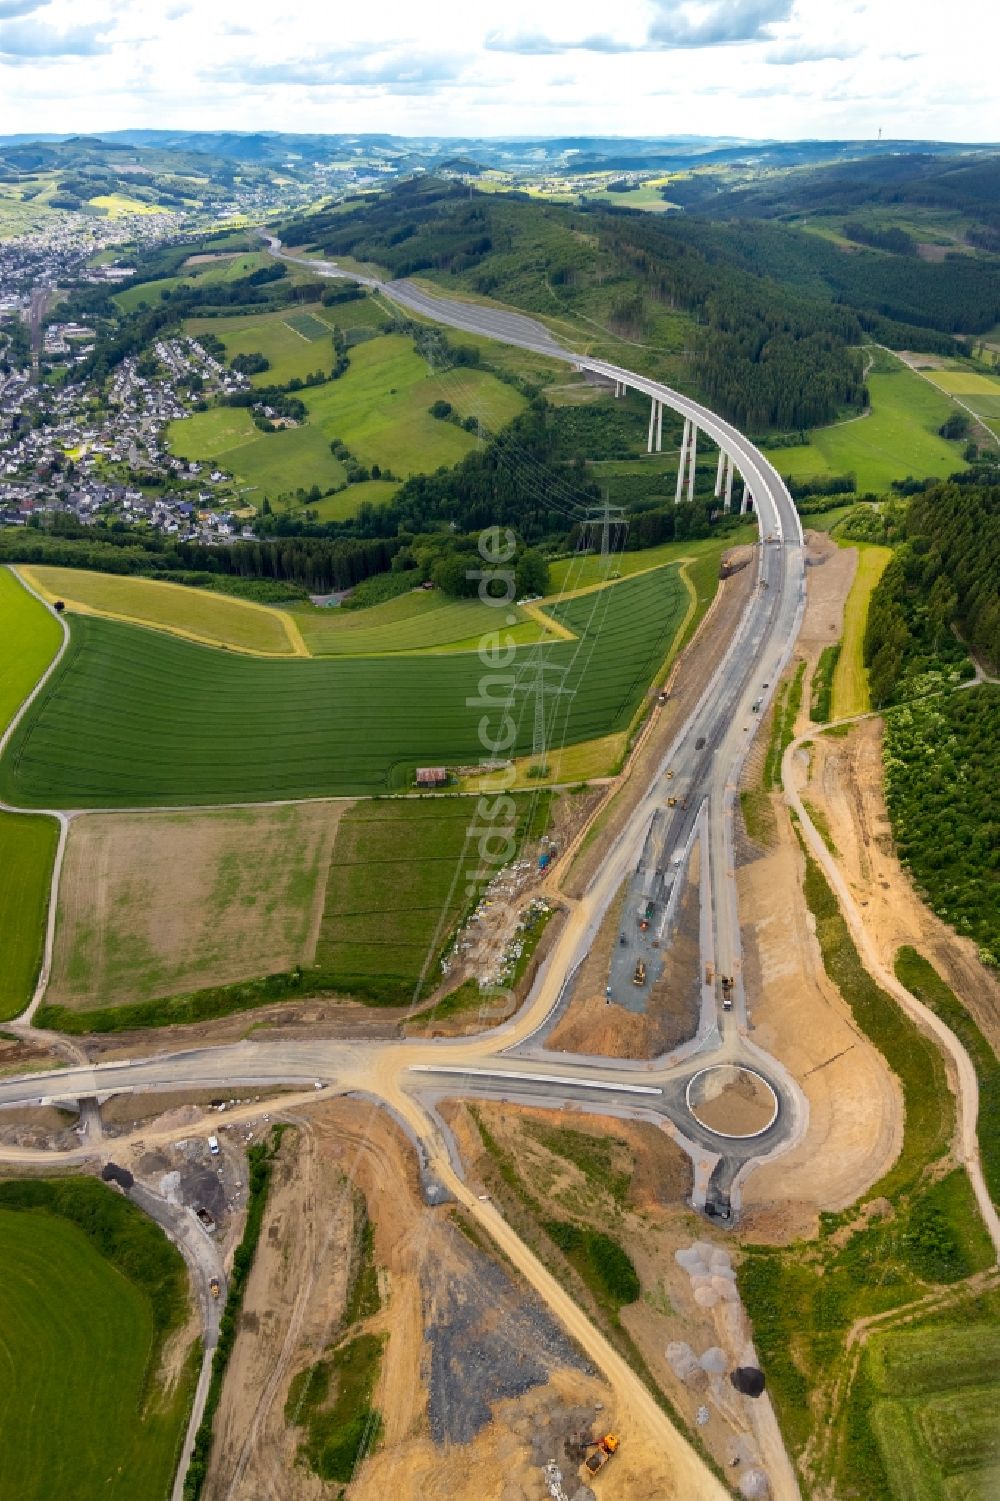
509,1063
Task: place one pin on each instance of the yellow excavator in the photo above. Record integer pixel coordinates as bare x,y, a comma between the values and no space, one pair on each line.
603,1449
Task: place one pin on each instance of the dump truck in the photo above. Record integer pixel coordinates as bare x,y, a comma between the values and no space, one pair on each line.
671,802
639,974
603,1449
215,1287
727,992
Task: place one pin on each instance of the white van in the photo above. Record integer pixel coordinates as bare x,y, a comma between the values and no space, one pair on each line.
213,1145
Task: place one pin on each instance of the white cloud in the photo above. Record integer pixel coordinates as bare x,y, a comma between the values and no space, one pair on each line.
717,67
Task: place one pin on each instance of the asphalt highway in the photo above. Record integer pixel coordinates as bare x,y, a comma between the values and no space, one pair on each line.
700,772
511,1063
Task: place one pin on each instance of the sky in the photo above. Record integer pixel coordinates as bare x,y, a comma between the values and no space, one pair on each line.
750,68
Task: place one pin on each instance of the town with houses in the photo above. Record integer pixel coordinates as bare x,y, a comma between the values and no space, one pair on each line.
67,448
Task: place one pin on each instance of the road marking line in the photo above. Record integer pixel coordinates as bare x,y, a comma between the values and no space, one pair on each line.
503,1073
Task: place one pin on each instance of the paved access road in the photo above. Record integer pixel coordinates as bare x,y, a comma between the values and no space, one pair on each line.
510,1063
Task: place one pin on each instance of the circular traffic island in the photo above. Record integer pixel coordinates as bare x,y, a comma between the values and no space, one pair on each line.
730,1100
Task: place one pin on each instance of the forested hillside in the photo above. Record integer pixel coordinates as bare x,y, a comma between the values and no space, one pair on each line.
768,314
944,576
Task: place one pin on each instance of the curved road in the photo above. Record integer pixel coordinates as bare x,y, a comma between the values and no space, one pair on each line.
703,765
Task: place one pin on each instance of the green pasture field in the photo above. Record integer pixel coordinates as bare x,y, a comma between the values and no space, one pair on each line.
27,850
380,407
397,888
83,1418
231,269
346,503
584,569
30,636
898,438
132,717
268,465
422,620
292,352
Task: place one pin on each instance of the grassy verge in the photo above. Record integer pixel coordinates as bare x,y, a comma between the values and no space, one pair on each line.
822,683
922,980
822,824
340,1432
849,686
261,1159
787,702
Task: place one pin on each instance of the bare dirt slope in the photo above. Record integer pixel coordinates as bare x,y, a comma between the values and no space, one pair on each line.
855,1105
157,903
475,1374
845,782
830,573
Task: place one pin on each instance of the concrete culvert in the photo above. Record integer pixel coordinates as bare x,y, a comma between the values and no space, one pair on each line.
748,1379
754,1485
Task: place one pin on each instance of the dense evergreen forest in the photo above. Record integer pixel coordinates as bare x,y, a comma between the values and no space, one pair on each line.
941,765
944,576
956,184
775,311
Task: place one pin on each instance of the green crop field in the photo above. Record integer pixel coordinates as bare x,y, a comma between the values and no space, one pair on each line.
30,636
897,439
380,408
214,618
935,1419
290,355
134,717
398,886
27,850
584,569
307,325
267,464
82,1418
417,621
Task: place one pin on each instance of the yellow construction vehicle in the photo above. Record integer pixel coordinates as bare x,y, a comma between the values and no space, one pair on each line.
603,1449
639,977
671,802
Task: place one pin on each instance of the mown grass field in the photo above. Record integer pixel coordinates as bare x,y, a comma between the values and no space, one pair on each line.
422,620
267,465
80,1419
346,503
294,347
850,676
186,901
979,392
398,886
898,438
133,717
30,636
27,850
195,613
935,1414
380,407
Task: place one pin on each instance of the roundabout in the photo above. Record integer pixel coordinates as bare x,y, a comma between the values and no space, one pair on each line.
732,1101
